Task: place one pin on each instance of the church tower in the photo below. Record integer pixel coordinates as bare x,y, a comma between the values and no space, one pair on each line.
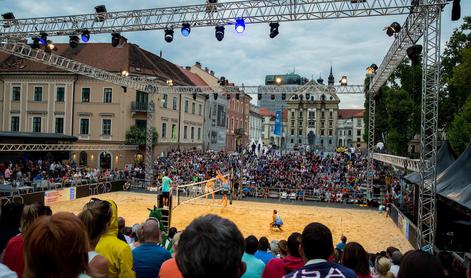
331,79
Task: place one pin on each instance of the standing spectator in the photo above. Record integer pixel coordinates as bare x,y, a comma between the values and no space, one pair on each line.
96,216
355,257
166,189
342,243
117,252
262,252
169,268
277,268
418,263
149,256
9,223
211,247
13,254
56,246
396,259
168,241
254,265
316,248
121,228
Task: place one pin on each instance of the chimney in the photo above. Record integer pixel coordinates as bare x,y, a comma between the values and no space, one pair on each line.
198,64
212,72
206,69
160,53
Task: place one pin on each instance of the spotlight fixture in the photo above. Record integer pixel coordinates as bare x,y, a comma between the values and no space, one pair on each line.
283,96
259,96
274,29
50,46
168,35
100,13
372,69
194,96
272,97
211,6
413,53
74,41
215,95
43,38
85,36
456,10
222,81
343,81
278,80
240,25
117,40
169,82
9,19
35,44
124,73
392,29
219,33
186,29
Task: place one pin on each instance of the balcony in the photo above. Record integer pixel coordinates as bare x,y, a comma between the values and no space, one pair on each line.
239,131
139,106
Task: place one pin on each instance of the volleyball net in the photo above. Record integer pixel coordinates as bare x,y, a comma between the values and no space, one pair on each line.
192,192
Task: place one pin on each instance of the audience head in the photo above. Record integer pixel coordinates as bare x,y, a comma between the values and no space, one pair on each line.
382,265
10,216
171,232
418,263
390,250
283,246
275,249
343,239
176,240
213,248
294,240
316,242
396,257
355,257
96,216
274,211
32,212
121,224
56,246
263,244
251,244
151,230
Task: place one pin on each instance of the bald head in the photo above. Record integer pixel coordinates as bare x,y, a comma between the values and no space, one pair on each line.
151,231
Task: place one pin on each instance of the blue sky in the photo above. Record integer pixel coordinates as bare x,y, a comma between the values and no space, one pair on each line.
309,48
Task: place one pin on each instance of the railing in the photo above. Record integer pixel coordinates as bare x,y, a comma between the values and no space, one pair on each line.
399,161
139,106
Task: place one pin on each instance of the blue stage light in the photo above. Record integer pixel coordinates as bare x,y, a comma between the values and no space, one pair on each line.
43,38
240,25
85,36
186,29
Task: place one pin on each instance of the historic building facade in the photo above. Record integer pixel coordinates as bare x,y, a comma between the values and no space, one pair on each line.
278,104
351,128
255,124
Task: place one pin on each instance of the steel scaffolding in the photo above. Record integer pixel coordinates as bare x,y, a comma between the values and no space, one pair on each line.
64,147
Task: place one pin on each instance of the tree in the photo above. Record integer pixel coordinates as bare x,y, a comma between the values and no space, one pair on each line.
459,132
137,136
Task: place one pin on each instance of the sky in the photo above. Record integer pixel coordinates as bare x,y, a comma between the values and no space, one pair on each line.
308,48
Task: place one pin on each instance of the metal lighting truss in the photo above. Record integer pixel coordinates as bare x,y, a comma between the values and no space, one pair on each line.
259,11
149,162
399,161
64,147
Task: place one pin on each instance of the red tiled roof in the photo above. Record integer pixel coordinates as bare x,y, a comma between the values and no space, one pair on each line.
106,57
350,113
265,112
194,78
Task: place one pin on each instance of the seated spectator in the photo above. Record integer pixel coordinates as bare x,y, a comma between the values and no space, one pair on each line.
169,268
137,236
117,252
149,256
277,268
168,241
316,248
13,256
56,246
274,248
355,257
121,230
418,263
262,252
10,218
254,265
390,250
283,246
396,259
382,267
209,247
96,217
342,243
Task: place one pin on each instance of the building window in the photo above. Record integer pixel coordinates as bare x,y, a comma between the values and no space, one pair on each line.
358,139
165,100
300,114
85,94
164,130
292,114
38,94
322,132
300,132
199,133
330,141
292,132
141,124
299,141
330,132
83,159
200,109
193,108
192,132
358,123
185,132
174,131
322,124
60,94
349,133
16,93
232,124
322,141
108,95
60,125
36,124
312,114
322,115
174,103
292,141
331,124
15,123
84,126
331,115
358,132
186,106
106,127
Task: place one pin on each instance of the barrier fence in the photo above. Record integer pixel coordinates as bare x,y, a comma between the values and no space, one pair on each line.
407,227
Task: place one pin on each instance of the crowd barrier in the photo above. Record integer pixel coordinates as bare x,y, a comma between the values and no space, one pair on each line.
407,227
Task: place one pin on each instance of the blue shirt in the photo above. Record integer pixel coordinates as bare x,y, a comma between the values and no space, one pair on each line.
264,256
340,246
322,270
166,184
254,266
148,258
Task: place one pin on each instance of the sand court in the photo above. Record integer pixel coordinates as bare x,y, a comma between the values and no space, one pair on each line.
373,230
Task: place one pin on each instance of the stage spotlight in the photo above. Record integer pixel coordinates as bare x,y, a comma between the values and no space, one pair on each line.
168,35
278,80
169,82
240,25
50,46
215,95
194,96
186,29
100,13
274,29
272,97
259,96
392,29
413,53
35,44
85,36
117,40
283,96
456,10
74,41
372,69
219,33
9,19
43,38
343,81
222,81
124,73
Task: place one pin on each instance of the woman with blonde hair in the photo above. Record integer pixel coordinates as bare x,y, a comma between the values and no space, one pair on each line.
382,267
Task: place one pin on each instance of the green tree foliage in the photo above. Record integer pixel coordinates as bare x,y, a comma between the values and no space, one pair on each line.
137,136
459,132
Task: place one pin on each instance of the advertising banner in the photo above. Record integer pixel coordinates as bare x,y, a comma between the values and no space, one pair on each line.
59,195
278,123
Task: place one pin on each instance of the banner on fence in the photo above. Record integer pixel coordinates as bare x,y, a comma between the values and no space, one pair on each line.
405,228
59,195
